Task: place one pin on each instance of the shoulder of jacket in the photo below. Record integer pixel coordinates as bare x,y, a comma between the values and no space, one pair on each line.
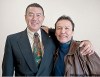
15,35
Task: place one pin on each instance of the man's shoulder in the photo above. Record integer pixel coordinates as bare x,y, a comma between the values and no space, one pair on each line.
15,35
46,37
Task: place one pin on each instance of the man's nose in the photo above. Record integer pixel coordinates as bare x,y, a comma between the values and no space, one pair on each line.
63,30
34,17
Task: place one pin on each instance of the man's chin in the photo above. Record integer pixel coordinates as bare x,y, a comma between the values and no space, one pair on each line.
63,41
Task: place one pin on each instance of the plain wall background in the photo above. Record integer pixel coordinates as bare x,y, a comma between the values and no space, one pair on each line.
84,13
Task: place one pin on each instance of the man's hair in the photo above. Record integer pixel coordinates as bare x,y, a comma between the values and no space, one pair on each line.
34,5
64,17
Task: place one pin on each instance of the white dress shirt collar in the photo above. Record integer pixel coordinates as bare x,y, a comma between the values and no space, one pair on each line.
30,33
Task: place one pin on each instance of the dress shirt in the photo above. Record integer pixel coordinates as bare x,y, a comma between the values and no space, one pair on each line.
30,37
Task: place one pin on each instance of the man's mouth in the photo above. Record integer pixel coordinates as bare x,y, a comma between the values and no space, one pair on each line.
34,23
63,36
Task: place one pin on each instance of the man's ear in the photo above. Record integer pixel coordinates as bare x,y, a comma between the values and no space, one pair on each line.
43,18
25,17
72,33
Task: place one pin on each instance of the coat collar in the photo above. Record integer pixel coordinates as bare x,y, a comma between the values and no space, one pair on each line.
73,47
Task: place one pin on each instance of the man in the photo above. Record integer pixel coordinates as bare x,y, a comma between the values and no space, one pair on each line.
19,52
68,60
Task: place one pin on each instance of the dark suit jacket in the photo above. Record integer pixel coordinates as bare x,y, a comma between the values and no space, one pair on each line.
51,32
18,56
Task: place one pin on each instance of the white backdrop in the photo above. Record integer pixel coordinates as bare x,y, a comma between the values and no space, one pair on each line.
85,14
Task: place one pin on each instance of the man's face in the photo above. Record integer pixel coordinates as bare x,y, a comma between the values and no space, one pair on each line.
64,31
34,18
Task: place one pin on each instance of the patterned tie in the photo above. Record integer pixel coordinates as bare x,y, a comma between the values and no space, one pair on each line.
37,49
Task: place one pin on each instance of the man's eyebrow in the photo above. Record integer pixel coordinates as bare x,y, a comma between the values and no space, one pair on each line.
30,13
38,13
33,13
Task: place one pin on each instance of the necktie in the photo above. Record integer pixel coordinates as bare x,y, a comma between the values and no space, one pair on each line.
37,49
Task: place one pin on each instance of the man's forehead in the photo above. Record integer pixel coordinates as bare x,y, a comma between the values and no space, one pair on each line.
34,10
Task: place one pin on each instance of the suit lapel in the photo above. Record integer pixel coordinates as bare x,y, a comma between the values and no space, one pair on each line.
45,58
26,51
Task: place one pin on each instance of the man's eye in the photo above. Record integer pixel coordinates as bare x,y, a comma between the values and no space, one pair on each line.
30,15
38,15
58,28
66,28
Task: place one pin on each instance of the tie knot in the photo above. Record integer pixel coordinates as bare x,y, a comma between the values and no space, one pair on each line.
36,34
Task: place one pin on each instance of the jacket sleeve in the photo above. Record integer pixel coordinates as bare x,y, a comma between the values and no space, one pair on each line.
93,63
80,65
90,64
7,65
